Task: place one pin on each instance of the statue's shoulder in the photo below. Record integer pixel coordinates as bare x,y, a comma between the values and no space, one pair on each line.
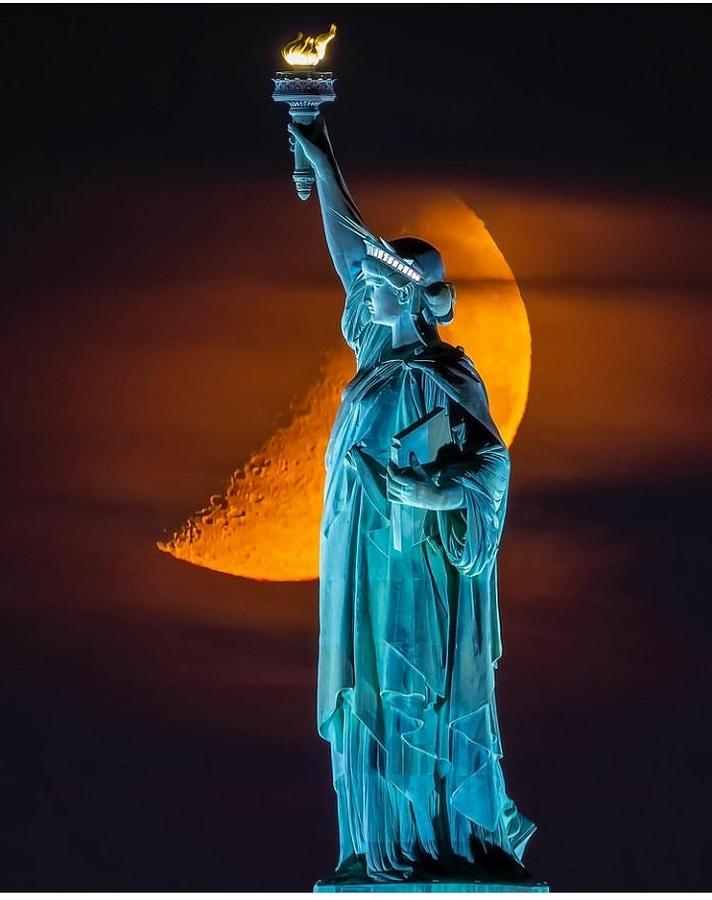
448,361
452,370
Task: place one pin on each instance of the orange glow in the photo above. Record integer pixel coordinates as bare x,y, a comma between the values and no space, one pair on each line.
308,51
266,526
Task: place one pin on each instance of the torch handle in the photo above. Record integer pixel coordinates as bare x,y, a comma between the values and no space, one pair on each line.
303,174
303,92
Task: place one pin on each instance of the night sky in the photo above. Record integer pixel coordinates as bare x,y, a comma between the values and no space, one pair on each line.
158,719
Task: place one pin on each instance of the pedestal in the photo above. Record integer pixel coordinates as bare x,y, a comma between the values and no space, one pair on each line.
433,887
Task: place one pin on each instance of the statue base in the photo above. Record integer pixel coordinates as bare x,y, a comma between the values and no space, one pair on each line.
432,887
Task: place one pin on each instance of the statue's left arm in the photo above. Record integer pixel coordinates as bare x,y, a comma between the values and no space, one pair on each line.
469,495
472,532
468,484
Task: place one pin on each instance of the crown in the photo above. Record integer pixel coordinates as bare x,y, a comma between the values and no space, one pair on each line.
382,250
404,266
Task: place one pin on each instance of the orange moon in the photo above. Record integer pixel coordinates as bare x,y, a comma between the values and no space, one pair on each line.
265,524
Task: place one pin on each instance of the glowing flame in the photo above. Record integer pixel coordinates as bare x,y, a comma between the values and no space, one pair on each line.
308,51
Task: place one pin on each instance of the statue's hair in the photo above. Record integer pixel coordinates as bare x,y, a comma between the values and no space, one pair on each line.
439,301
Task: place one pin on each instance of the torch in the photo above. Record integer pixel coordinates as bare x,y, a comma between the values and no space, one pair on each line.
304,90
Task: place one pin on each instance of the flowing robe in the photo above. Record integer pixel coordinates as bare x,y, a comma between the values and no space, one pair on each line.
410,638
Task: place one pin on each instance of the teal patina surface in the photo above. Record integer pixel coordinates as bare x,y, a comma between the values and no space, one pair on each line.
409,621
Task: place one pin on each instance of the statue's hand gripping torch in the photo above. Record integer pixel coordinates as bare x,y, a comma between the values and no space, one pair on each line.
304,90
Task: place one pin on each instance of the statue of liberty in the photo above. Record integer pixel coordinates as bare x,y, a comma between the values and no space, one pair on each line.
414,505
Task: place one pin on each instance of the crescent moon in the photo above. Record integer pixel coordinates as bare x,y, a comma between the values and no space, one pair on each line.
265,524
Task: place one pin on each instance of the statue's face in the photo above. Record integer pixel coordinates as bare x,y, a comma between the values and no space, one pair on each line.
383,302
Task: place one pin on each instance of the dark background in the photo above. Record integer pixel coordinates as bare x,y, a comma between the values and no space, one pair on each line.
158,718
577,90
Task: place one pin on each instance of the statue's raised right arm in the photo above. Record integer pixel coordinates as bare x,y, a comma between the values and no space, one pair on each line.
345,247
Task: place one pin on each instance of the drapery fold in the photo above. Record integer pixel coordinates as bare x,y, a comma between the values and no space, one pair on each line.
410,638
471,535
